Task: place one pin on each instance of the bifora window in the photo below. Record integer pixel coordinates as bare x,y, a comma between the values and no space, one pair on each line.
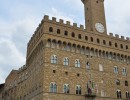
124,71
53,59
78,89
53,87
66,88
119,96
116,70
65,61
77,63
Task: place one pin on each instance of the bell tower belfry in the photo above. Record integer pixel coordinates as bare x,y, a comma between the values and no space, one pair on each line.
95,15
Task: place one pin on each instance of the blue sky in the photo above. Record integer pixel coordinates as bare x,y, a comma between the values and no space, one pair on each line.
19,19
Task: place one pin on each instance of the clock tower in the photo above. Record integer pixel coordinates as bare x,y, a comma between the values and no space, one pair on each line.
95,15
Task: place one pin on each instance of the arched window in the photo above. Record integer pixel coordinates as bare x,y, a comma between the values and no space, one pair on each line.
58,31
115,69
65,61
127,95
88,65
79,36
77,63
86,38
124,71
110,44
53,87
126,47
66,88
78,89
66,33
104,42
126,83
53,59
50,29
119,96
73,34
98,41
116,45
117,82
121,46
91,39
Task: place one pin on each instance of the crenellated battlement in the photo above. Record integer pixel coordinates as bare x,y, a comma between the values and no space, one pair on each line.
119,37
46,19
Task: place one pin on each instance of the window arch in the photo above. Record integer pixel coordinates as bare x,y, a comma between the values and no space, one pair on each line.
78,89
79,36
91,39
87,65
121,46
66,33
116,45
127,95
110,43
65,61
126,83
53,59
98,41
104,42
77,63
73,34
115,69
124,71
126,47
86,38
66,88
53,87
50,29
117,82
119,96
58,31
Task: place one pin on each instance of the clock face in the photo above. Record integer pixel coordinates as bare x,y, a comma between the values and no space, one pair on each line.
99,27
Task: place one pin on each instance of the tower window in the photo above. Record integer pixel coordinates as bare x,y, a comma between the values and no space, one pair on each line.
50,29
126,47
73,34
110,44
96,1
66,33
104,42
98,41
121,46
116,45
58,31
91,39
79,36
78,89
86,38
